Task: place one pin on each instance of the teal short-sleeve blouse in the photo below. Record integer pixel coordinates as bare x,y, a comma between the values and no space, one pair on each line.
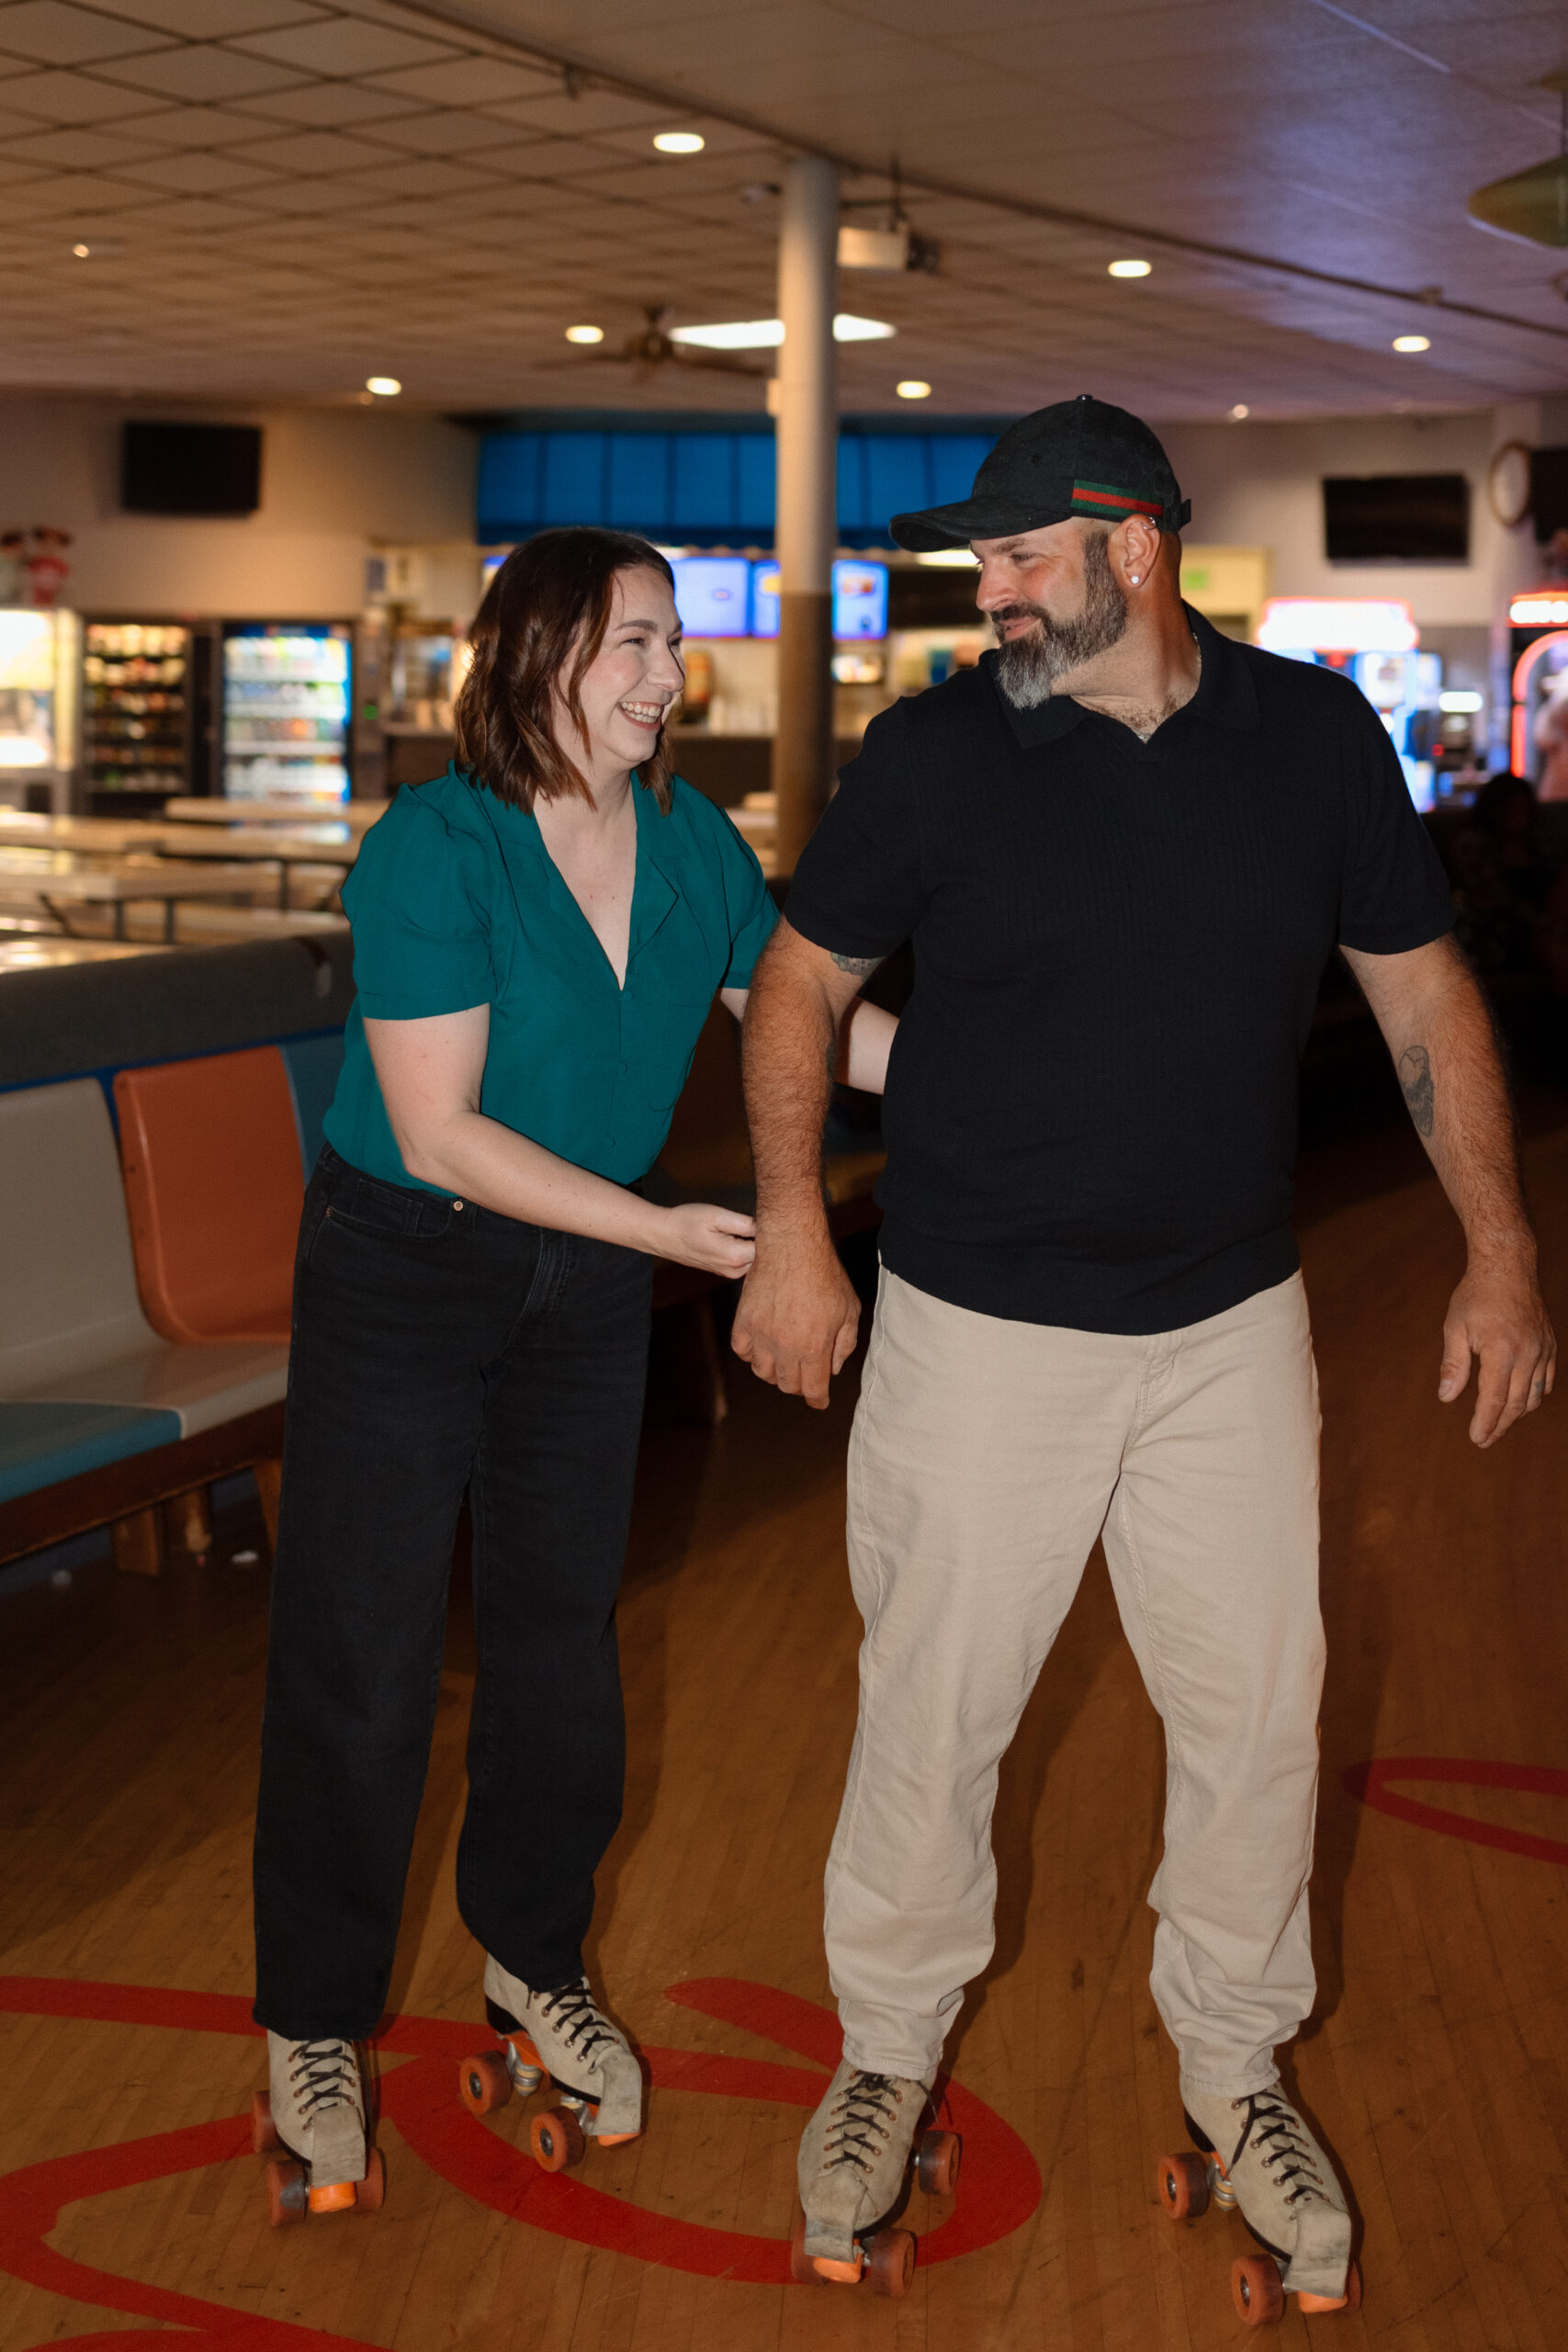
454,902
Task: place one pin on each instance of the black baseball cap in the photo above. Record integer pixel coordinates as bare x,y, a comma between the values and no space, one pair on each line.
1076,458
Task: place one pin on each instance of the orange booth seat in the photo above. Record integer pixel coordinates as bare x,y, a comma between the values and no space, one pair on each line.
213,1183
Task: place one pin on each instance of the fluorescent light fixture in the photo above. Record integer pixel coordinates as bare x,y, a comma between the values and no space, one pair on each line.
385,388
949,558
1240,410
913,387
1338,625
766,335
1129,268
679,143
1411,342
1459,699
585,334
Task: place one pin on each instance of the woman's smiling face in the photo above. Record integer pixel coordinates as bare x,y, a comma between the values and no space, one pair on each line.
628,688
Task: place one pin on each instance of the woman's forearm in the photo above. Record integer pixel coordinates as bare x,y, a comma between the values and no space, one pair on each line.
865,1040
477,1159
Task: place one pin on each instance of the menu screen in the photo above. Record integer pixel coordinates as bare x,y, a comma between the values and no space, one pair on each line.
860,599
711,595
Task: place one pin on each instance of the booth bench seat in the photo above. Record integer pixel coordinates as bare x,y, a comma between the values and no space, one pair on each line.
100,1418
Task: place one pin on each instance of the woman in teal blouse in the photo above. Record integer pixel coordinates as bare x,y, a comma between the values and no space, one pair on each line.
538,936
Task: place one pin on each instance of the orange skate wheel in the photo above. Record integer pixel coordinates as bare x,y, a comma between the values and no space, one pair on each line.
263,2131
1255,2291
483,2083
370,2194
1181,2184
801,2269
556,2138
890,2262
335,2196
936,2166
288,2197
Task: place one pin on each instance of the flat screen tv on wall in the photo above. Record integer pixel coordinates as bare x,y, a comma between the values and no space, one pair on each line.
190,469
1396,518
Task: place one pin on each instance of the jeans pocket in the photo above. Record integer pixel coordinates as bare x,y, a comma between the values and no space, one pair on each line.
380,1212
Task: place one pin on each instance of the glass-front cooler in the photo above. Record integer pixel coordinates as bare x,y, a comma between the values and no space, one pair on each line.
38,707
136,710
286,710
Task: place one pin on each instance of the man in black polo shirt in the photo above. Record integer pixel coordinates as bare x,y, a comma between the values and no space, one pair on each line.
1124,848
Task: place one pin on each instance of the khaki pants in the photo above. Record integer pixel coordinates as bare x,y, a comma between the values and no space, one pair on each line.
987,1457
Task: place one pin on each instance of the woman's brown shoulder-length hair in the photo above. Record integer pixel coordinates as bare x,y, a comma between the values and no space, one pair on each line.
536,635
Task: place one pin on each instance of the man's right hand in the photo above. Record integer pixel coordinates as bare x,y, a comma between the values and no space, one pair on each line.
798,1318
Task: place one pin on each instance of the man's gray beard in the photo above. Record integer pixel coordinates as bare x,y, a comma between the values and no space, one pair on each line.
1028,668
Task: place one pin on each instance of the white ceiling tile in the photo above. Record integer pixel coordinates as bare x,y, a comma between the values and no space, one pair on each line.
307,196
447,131
309,151
56,34
77,149
346,45
63,193
196,212
201,73
418,176
191,126
331,106
467,81
197,174
70,98
212,19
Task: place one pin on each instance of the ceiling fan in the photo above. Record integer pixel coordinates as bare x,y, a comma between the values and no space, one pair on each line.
653,347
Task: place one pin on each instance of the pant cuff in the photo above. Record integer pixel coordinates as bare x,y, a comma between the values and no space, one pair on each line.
1238,2087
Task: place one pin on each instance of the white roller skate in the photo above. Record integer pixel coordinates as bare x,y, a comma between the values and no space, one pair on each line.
855,2157
1257,2155
566,2036
314,2110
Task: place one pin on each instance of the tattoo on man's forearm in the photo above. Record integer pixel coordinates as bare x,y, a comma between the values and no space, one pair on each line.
862,966
1415,1080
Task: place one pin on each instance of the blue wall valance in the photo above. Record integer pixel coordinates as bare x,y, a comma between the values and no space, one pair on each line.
710,486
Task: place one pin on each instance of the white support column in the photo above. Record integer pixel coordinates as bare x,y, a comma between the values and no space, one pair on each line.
808,425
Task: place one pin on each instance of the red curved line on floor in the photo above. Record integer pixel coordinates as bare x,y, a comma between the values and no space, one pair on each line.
30,2202
1372,1782
1001,2181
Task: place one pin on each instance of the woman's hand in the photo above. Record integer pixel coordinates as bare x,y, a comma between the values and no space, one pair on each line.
718,1241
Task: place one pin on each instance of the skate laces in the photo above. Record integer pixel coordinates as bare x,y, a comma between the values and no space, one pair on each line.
578,2017
1272,2124
328,2071
862,2116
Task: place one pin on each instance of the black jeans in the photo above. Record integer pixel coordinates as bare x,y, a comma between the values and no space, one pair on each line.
438,1348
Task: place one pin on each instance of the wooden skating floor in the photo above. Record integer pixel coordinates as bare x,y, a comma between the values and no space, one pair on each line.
1437,2062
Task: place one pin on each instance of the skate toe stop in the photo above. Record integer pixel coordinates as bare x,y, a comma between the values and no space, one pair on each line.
842,2274
334,2197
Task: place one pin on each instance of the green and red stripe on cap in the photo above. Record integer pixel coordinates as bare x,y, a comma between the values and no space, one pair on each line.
1107,503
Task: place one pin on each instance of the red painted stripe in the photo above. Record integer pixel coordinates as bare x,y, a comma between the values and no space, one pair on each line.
1114,498
1001,2181
1372,1783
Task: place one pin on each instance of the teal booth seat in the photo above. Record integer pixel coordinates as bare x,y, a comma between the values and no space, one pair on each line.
43,1444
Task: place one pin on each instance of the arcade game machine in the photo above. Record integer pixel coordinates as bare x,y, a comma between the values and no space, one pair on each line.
1375,640
1538,658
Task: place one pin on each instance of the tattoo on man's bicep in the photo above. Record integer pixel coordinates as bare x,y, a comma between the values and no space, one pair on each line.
862,966
1415,1080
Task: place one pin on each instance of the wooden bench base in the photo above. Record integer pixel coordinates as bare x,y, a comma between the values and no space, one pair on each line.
126,1496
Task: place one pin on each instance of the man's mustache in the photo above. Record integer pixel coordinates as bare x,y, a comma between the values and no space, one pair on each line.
1005,612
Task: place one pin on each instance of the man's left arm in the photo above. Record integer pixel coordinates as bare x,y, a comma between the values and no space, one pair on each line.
1439,1031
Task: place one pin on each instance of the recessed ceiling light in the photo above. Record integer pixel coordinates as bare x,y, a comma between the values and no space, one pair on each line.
1411,342
847,328
1240,410
913,388
1129,268
81,252
679,143
385,388
585,334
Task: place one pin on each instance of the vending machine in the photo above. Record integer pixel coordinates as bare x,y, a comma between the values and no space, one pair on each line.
136,714
287,704
38,652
